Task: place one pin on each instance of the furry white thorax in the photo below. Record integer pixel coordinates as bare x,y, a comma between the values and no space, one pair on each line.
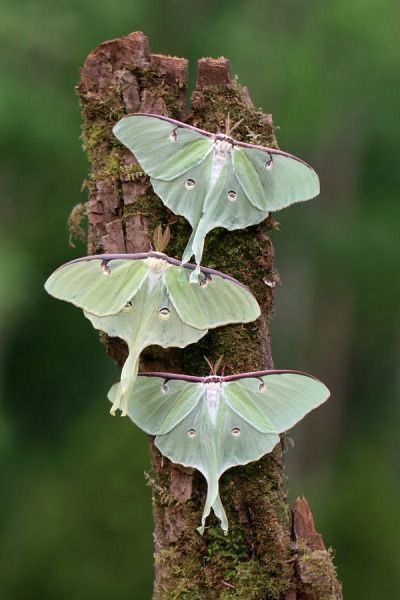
213,395
221,152
156,266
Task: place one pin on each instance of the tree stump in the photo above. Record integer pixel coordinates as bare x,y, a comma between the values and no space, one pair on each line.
266,553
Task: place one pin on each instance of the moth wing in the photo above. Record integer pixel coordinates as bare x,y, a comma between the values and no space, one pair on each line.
246,191
214,302
157,406
193,443
100,291
273,180
238,441
151,319
174,412
278,402
164,148
143,325
213,448
226,205
185,194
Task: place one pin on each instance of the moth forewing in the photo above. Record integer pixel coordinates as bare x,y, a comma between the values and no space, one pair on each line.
101,287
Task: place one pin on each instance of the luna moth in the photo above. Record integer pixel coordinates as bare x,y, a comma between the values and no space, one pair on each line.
212,179
215,423
147,299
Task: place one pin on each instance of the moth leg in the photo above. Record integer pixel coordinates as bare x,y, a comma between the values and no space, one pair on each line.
195,275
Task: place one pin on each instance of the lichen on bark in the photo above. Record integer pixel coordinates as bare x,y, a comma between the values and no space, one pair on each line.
257,559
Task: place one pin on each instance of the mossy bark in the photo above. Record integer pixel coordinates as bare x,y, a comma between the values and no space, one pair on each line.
261,556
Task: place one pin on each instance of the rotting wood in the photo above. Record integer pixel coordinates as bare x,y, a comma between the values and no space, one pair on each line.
260,557
315,573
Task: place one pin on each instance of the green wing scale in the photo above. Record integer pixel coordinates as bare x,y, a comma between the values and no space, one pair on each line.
215,423
211,179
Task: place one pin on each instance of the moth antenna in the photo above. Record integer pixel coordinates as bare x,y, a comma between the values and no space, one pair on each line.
223,370
161,238
218,364
210,365
228,124
157,237
166,237
218,128
236,125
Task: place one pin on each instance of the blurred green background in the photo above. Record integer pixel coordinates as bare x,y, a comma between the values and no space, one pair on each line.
75,513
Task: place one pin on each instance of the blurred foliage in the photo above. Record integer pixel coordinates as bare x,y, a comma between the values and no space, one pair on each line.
75,511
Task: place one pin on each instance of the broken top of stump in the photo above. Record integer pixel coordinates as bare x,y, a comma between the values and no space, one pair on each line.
213,71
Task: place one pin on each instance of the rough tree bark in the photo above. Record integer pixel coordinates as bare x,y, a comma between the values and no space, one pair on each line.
271,551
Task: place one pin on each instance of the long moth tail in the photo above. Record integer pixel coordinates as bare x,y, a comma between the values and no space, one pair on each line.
213,501
188,251
195,247
128,377
206,222
220,513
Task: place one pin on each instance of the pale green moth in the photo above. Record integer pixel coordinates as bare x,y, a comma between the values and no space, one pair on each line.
147,299
215,423
212,179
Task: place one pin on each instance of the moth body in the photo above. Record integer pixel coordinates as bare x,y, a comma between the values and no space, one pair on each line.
156,269
156,265
222,151
213,396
